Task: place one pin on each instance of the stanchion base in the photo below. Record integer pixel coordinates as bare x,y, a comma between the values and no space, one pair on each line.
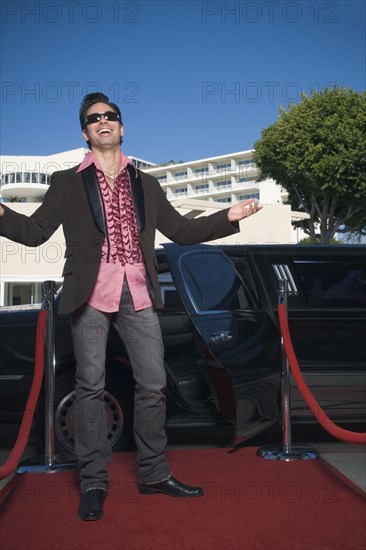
287,453
42,465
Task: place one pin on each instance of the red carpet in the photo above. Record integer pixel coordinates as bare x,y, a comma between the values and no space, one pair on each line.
250,504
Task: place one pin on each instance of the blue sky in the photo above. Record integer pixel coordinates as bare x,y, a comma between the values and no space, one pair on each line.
193,79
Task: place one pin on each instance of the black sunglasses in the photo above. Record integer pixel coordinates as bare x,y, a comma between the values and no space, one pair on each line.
97,117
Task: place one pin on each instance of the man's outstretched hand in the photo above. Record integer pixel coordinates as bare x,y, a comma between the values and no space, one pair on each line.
243,210
236,213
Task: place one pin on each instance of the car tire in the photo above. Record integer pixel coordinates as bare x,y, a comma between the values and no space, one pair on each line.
118,398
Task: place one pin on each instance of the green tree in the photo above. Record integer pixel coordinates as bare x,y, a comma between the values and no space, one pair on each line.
316,150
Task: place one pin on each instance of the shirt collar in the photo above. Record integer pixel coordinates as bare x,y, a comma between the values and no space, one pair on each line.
90,158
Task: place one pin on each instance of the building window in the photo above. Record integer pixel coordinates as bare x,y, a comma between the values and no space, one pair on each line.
224,199
180,192
26,177
201,171
141,164
180,175
247,162
202,188
244,180
224,184
162,179
249,196
21,293
223,167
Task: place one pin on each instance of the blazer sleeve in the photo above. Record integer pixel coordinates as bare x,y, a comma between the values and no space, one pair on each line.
191,231
35,229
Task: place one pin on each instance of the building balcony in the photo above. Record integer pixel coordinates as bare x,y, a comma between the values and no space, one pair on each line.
220,187
24,184
200,192
31,191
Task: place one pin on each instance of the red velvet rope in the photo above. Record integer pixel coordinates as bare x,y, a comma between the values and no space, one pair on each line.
22,439
320,415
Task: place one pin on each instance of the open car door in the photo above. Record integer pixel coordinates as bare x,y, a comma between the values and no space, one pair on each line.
243,363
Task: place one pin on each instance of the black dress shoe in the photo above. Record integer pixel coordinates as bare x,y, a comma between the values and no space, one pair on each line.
171,487
91,505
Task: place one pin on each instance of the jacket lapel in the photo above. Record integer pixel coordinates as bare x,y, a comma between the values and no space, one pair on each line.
137,196
91,186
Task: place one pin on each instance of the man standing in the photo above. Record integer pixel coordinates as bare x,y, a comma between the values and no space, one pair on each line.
109,212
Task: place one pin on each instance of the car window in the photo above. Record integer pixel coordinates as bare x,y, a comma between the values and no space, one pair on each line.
171,298
212,281
337,283
169,294
246,275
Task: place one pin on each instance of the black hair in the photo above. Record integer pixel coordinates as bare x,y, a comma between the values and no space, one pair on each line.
88,101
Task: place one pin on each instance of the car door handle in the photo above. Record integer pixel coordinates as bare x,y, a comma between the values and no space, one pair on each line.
221,336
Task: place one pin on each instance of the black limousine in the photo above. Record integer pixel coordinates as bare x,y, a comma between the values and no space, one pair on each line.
222,344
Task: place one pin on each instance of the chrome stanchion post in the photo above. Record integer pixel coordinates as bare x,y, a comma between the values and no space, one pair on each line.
49,375
49,463
285,450
285,377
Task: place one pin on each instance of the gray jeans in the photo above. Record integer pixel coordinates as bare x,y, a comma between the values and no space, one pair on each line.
141,335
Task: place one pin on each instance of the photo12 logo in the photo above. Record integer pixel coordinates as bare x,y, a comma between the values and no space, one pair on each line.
70,12
269,12
71,92
270,492
253,92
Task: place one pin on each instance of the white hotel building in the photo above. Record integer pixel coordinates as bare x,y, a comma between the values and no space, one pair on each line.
195,188
224,179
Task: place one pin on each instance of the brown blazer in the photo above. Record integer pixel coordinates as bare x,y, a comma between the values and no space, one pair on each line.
73,200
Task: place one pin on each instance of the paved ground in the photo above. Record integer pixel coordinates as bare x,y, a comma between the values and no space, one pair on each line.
350,460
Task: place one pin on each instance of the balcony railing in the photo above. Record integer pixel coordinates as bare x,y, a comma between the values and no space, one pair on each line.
15,178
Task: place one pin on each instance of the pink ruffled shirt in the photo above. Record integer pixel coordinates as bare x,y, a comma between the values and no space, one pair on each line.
121,251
